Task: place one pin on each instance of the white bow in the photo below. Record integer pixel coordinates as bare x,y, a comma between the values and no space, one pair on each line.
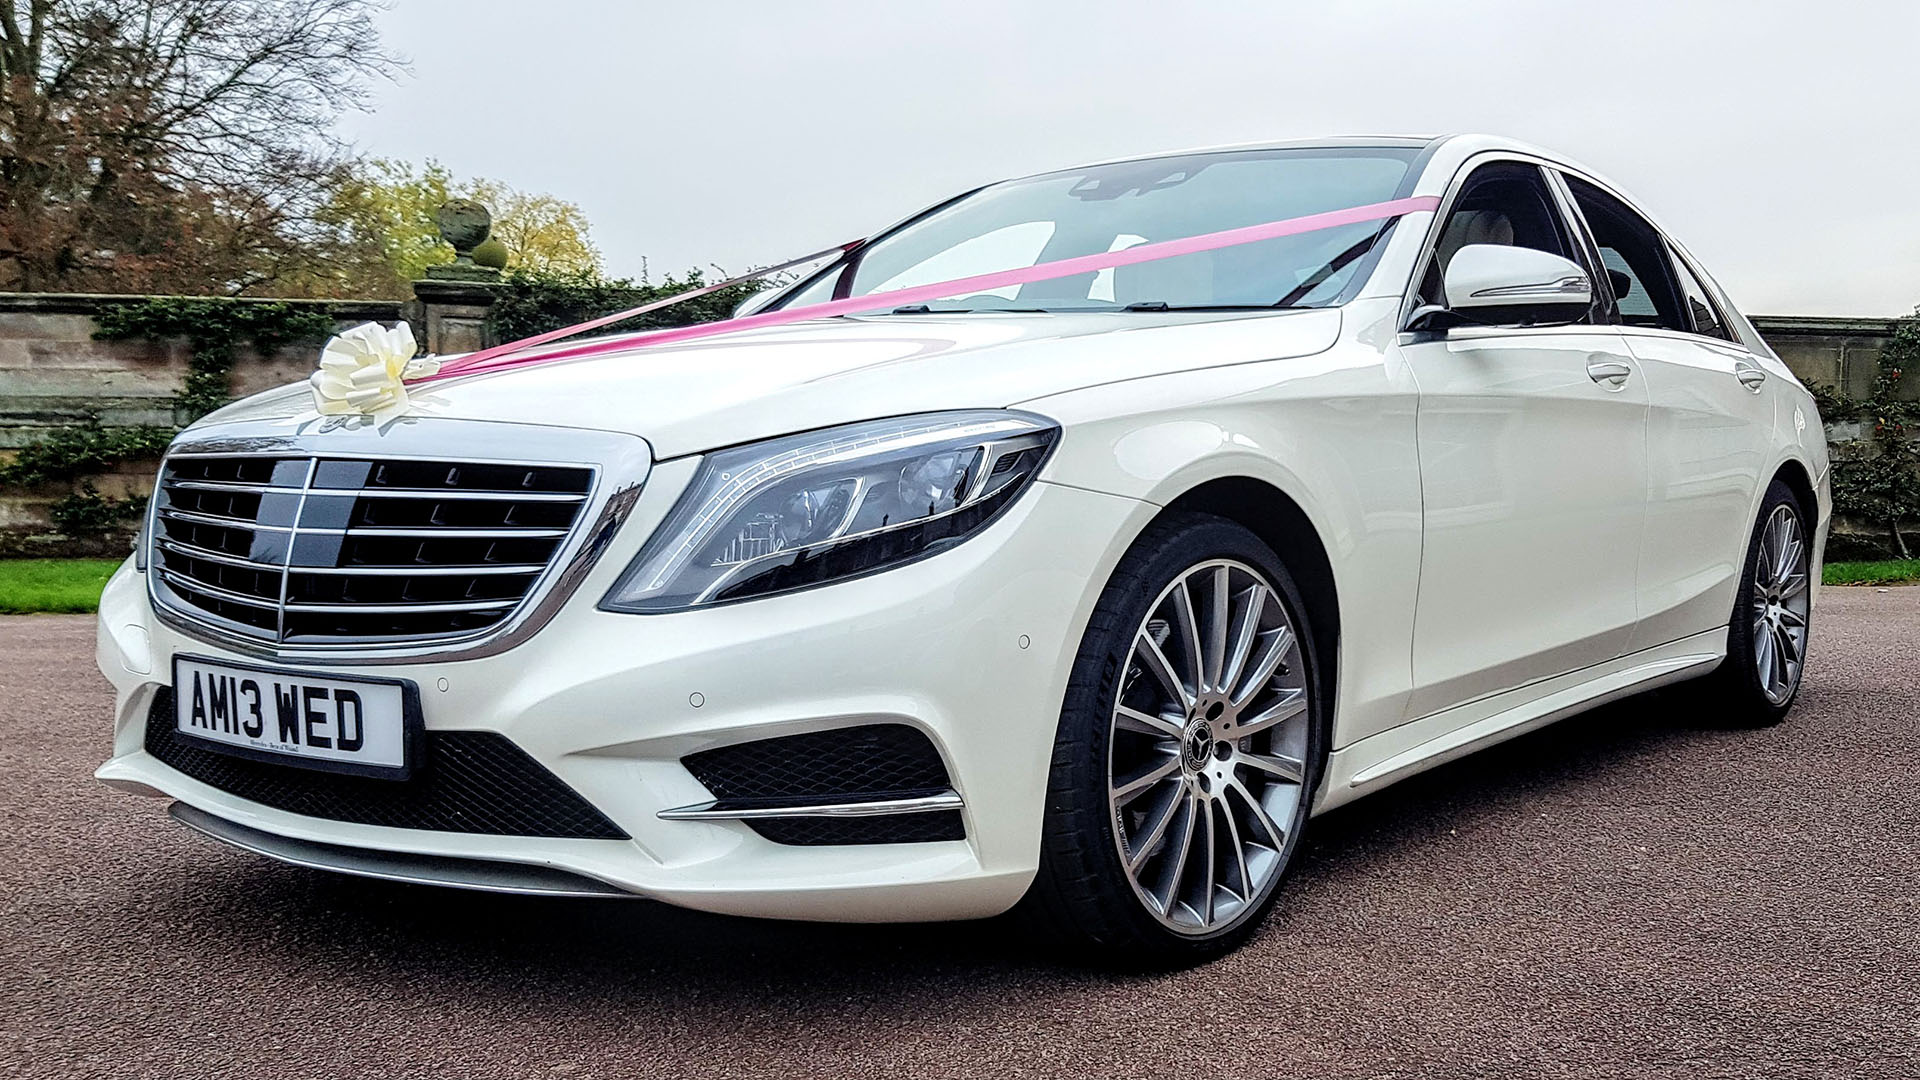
363,372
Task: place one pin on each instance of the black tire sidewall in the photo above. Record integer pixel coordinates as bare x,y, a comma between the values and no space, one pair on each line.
1739,674
1078,847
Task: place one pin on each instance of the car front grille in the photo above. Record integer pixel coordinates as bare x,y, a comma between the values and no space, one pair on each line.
466,782
308,550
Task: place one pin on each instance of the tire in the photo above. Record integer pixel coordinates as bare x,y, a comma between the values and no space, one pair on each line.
1246,750
1768,634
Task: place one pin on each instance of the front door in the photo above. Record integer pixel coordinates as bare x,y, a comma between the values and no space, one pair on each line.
1533,473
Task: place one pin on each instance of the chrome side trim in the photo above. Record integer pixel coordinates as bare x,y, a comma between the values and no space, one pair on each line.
485,875
740,810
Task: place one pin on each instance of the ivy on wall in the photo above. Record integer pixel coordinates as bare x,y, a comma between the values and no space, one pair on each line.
214,329
533,302
1877,478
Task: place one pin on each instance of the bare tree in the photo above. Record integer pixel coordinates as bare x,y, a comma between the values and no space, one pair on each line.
147,144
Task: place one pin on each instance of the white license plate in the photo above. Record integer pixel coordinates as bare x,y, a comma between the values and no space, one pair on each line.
296,718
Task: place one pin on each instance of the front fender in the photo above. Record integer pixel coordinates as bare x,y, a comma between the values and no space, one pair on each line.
1333,433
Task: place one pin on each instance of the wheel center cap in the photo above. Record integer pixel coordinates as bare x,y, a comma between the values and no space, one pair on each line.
1197,744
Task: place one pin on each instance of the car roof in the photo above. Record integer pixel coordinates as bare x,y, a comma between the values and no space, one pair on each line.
1410,142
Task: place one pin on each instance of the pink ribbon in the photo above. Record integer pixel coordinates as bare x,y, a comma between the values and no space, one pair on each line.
495,359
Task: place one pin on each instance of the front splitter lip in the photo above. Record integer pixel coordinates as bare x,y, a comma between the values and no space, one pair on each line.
483,875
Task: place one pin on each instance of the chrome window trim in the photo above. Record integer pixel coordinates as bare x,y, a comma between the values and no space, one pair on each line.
1456,183
1676,253
620,464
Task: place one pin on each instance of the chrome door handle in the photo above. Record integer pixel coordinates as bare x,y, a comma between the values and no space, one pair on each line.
1750,377
1610,373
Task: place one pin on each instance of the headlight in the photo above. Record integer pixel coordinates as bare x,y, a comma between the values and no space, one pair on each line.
781,515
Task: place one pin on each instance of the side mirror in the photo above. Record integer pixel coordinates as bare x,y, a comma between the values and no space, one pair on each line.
758,300
1482,276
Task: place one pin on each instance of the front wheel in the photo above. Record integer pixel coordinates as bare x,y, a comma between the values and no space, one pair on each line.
1767,638
1190,742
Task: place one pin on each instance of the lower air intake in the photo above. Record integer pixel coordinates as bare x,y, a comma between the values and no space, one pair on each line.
870,763
466,782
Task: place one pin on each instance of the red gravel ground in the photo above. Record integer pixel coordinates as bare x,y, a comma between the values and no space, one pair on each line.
1626,894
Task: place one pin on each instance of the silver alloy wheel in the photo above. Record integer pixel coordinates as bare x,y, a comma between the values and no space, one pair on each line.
1207,762
1781,600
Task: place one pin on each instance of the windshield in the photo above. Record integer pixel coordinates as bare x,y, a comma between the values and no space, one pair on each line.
1113,207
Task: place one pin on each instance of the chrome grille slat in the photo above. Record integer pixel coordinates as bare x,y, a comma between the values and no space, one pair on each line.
229,486
218,593
457,494
192,551
194,517
400,609
321,563
503,570
427,532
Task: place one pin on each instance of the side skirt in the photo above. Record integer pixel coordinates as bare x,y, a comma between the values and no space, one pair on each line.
1416,746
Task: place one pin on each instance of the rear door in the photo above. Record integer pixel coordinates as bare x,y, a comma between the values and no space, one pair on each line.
1533,467
1707,429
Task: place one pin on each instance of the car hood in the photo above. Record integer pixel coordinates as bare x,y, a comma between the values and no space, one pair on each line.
698,395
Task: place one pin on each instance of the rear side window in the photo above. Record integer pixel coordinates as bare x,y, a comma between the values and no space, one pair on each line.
1700,310
1635,257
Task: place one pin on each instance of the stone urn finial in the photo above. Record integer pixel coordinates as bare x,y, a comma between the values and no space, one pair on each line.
465,224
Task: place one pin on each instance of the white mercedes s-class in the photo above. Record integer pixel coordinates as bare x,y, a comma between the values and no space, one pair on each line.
1080,587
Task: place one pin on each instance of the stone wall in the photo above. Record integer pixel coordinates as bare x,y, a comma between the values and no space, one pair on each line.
53,372
1840,353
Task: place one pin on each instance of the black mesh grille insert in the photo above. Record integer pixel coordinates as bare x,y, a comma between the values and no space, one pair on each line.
857,764
466,782
876,761
891,829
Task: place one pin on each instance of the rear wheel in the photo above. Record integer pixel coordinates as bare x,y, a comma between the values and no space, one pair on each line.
1188,750
1767,639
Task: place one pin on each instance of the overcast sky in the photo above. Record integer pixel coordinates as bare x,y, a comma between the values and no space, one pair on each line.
1779,140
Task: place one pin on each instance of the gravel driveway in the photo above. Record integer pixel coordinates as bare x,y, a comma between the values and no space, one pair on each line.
1623,894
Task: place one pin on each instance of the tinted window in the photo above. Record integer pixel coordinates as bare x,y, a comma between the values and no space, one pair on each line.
1504,203
1700,310
1635,257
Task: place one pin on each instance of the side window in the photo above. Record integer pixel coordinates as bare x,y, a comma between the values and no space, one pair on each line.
1635,257
1502,203
1700,310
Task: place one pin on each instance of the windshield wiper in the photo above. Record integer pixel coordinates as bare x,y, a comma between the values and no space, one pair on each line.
1162,305
922,309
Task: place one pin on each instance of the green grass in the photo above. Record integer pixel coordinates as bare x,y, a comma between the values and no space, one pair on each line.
73,585
53,585
1881,572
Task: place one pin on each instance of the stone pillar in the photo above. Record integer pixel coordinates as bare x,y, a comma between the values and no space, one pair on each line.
453,314
454,297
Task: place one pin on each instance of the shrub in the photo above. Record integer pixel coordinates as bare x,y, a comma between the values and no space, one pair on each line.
1878,478
534,302
87,513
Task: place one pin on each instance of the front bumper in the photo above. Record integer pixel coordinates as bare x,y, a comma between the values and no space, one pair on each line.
972,647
